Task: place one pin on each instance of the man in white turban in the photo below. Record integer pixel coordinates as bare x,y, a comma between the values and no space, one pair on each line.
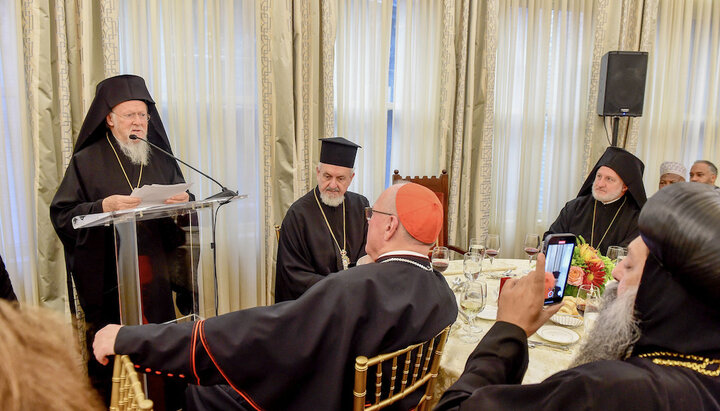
671,172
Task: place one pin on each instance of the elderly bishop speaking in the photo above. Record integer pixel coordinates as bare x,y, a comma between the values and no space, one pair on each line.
104,169
325,230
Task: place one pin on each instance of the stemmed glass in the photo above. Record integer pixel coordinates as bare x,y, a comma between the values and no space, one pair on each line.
472,265
477,244
616,253
440,258
472,302
492,246
531,246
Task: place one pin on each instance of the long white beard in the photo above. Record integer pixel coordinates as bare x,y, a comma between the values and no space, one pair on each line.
331,201
615,331
138,153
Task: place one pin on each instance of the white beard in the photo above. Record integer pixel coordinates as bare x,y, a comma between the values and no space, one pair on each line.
607,197
138,153
331,201
616,328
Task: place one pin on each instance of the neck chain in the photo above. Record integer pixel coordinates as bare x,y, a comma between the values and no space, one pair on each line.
592,234
694,362
343,253
123,168
405,260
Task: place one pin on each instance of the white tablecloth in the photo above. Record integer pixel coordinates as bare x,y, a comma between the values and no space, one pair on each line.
543,361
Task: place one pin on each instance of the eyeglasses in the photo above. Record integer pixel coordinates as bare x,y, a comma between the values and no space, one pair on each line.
369,212
144,117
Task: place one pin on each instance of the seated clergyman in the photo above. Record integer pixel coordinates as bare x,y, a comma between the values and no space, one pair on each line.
299,354
655,344
606,209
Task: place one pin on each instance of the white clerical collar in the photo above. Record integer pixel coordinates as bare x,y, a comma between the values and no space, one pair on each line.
403,252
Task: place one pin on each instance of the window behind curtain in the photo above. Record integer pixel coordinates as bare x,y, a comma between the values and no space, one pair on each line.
681,120
198,59
542,84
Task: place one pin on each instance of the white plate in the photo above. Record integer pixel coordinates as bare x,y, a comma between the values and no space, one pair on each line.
557,334
489,313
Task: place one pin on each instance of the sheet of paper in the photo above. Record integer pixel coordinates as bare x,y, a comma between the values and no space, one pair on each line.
157,193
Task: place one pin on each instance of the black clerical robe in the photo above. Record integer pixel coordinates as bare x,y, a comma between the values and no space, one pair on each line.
93,174
307,252
492,376
300,354
6,288
577,218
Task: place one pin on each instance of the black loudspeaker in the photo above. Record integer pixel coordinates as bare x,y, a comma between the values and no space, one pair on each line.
622,83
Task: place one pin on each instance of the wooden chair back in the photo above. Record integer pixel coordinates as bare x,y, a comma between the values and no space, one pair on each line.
127,390
277,232
438,185
420,364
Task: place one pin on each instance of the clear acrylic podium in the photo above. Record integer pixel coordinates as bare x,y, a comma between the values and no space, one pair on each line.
165,262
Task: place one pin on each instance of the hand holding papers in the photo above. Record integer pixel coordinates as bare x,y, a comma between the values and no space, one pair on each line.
154,194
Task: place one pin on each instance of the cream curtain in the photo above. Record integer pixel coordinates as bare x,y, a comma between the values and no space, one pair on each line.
682,106
197,58
443,77
362,50
416,106
63,59
17,217
295,58
542,80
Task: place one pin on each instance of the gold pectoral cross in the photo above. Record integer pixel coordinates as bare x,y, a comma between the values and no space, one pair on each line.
345,259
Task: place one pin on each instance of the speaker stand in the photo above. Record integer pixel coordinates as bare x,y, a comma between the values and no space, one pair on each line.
615,129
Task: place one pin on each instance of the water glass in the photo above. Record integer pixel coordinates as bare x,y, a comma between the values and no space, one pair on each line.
477,244
472,302
472,265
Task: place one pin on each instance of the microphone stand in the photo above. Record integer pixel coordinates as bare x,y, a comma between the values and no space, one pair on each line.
226,192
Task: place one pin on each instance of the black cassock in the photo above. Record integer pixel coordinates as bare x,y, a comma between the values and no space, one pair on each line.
300,354
307,252
6,288
492,376
93,174
577,218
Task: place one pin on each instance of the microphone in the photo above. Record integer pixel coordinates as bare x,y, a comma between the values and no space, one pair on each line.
226,192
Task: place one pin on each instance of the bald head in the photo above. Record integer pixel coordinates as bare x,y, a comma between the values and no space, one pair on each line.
703,171
386,231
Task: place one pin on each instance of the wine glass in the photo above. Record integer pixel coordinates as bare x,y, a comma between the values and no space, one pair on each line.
616,253
492,246
531,246
440,258
477,244
472,265
592,309
586,292
472,302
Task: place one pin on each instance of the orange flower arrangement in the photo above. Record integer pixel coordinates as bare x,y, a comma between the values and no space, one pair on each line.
588,267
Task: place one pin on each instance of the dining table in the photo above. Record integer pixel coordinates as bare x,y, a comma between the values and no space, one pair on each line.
546,356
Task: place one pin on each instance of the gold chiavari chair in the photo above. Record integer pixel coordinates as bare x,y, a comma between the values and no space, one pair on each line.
420,364
127,390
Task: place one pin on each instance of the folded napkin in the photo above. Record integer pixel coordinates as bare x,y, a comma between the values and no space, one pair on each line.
456,267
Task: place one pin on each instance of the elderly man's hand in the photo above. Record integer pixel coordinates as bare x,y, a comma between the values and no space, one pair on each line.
178,198
104,342
119,202
521,300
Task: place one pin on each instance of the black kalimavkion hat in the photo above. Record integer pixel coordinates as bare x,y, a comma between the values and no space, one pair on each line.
338,151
